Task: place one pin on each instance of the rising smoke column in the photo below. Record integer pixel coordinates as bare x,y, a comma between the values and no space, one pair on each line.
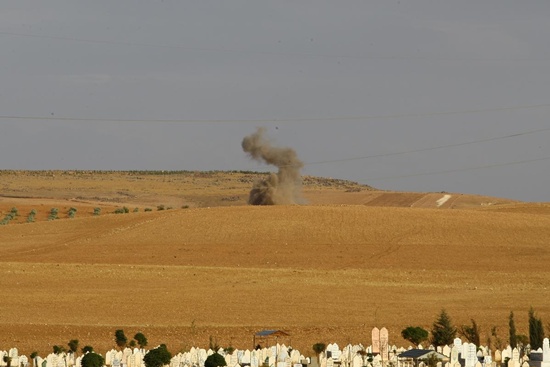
281,188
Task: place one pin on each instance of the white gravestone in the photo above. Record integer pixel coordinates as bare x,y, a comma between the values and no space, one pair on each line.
375,340
545,353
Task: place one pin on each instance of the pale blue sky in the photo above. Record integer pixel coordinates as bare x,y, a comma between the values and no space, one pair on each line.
393,64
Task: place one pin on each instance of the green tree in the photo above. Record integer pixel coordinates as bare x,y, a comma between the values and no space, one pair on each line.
470,333
215,360
512,330
58,349
319,348
536,330
443,332
157,357
33,357
141,339
73,345
120,338
92,360
414,334
87,349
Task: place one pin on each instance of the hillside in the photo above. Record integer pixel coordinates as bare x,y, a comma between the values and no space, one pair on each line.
352,259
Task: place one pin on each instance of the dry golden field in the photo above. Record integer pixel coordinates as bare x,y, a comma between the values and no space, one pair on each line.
350,259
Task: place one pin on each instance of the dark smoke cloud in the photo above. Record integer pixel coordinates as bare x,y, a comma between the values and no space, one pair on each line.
284,187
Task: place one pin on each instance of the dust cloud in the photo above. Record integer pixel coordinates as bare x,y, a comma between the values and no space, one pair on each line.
283,187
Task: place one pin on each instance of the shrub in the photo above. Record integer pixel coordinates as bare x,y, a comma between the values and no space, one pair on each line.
119,211
136,210
160,356
141,339
214,360
92,360
97,211
185,207
58,349
126,210
53,214
87,349
414,334
160,207
73,345
120,338
14,212
147,210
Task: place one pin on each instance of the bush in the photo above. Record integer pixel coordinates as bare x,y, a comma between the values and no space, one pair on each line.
214,360
87,349
120,338
136,210
73,345
53,214
119,211
414,334
160,207
92,360
147,210
159,356
141,339
126,210
97,211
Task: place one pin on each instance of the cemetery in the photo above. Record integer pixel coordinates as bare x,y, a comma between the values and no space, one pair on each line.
380,353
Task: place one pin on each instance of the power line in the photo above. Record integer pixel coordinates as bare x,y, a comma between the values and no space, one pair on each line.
282,120
430,148
457,170
268,53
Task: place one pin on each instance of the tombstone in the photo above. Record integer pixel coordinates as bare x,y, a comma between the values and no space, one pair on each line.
295,356
498,356
457,343
384,342
439,349
357,361
545,353
335,352
478,364
78,361
464,350
446,351
375,340
283,354
454,355
246,358
330,362
515,357
471,358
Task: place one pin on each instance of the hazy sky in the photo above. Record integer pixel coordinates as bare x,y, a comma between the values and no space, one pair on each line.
335,80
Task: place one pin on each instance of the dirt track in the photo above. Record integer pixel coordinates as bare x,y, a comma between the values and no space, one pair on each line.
323,273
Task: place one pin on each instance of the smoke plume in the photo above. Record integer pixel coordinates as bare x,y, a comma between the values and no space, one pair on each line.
283,187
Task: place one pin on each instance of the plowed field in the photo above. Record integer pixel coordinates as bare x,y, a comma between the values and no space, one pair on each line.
321,272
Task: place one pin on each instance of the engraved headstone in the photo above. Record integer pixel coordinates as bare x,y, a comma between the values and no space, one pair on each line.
384,342
375,340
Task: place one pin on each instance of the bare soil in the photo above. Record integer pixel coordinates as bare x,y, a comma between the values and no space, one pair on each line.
351,259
